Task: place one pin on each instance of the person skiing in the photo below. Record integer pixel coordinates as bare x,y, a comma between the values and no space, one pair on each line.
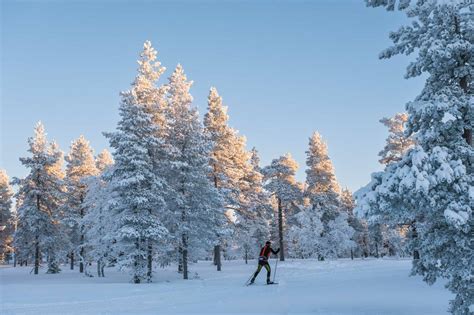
263,261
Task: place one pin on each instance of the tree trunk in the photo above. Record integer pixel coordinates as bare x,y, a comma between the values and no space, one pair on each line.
185,257
37,249
150,262
136,277
217,257
180,259
246,256
81,263
352,254
280,230
81,253
416,253
72,260
98,268
37,256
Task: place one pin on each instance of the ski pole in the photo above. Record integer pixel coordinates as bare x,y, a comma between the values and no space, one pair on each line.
246,282
274,274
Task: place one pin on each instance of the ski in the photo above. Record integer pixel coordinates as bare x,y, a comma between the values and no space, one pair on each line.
249,284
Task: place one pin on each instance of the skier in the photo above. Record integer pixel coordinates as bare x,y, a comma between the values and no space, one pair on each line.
263,261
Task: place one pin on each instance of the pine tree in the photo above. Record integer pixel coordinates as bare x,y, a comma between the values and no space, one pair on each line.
97,221
137,202
431,187
196,206
153,98
233,175
252,223
323,194
80,165
281,182
397,142
140,168
359,225
39,232
6,217
103,160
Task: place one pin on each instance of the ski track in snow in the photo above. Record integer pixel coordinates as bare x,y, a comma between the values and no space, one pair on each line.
359,287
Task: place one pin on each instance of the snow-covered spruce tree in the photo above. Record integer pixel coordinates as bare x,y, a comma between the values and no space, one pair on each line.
359,225
224,173
397,142
252,229
39,233
431,187
195,207
80,166
148,94
103,160
281,183
153,98
6,217
323,194
305,234
233,175
97,221
136,191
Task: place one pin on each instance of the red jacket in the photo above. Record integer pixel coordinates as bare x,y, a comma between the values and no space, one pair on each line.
265,252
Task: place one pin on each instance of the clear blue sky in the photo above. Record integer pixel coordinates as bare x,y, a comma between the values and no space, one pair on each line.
284,68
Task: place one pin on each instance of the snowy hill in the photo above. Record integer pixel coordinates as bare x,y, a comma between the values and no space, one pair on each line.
366,287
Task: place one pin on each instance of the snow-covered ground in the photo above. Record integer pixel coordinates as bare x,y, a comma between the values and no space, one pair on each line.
305,287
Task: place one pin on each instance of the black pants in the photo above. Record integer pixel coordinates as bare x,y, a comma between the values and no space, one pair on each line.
260,265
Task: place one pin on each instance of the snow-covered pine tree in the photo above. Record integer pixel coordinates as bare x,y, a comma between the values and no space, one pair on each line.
234,175
323,194
223,137
103,160
397,142
39,233
80,166
359,225
97,220
282,184
305,234
196,207
6,217
137,202
148,94
252,219
432,186
153,98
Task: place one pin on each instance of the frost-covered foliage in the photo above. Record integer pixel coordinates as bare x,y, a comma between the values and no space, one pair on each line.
6,216
252,221
324,205
136,181
103,160
135,189
397,142
305,236
237,180
195,208
97,222
361,236
137,200
281,183
40,235
80,165
431,187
